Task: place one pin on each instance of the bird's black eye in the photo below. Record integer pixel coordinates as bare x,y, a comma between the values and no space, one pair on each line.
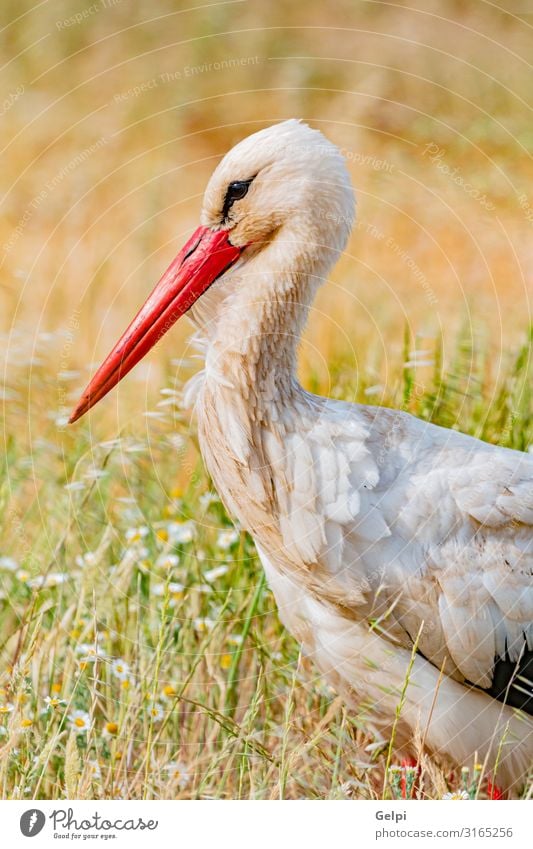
235,191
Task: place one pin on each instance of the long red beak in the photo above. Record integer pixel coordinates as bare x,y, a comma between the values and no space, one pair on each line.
206,256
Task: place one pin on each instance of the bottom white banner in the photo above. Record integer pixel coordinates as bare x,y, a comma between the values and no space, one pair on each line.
267,825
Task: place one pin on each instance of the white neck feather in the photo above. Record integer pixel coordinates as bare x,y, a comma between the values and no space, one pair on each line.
253,317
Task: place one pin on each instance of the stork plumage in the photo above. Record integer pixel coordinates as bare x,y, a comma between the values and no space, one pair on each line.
397,550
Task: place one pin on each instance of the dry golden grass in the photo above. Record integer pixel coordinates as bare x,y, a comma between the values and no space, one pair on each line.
100,185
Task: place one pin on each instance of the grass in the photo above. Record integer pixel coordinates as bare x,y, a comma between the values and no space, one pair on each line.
110,533
144,613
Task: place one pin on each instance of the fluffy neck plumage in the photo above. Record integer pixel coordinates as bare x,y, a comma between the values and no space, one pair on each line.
252,318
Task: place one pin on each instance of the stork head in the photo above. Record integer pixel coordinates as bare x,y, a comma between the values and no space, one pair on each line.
289,177
285,184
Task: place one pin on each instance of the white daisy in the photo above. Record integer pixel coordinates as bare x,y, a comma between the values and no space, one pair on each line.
53,579
80,721
87,559
181,533
89,652
53,701
167,561
136,534
228,538
120,668
177,772
208,498
22,575
456,796
155,712
94,770
203,624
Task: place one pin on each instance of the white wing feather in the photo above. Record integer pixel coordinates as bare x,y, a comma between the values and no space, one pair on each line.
434,527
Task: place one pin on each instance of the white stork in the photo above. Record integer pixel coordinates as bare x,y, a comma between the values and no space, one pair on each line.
400,553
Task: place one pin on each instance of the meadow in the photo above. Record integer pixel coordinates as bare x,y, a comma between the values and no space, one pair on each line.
141,655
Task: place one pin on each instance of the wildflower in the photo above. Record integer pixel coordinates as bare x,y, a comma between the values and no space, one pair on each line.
181,533
162,534
235,639
52,702
177,772
8,564
156,712
225,661
23,575
80,721
111,729
87,559
208,498
169,510
120,669
167,561
126,683
26,723
228,538
6,708
90,652
169,691
174,589
456,796
217,572
94,770
53,579
136,534
203,624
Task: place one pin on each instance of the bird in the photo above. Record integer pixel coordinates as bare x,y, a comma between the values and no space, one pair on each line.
399,552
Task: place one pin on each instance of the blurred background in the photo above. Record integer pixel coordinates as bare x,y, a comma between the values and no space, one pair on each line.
115,113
